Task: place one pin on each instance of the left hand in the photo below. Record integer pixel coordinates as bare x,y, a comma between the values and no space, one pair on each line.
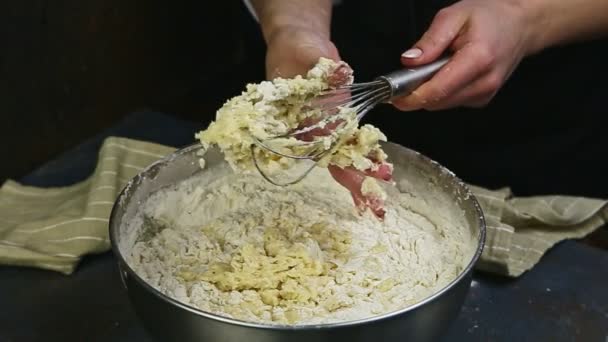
488,40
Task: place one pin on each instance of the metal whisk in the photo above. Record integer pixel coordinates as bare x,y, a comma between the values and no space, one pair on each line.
359,97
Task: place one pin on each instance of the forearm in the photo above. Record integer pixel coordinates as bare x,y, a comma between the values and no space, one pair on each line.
277,14
560,22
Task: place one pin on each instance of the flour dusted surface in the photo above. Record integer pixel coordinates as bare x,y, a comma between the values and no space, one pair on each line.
240,247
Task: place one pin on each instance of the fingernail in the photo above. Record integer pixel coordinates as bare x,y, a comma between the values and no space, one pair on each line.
412,53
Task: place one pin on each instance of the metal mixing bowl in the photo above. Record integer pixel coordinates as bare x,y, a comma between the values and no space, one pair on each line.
170,320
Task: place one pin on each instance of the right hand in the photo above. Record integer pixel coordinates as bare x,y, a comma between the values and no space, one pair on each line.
294,50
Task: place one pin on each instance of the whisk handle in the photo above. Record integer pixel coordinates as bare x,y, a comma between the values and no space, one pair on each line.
403,82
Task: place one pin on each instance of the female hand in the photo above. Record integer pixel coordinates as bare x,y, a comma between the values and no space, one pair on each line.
488,40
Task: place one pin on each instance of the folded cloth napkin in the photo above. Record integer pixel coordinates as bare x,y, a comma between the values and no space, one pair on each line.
53,228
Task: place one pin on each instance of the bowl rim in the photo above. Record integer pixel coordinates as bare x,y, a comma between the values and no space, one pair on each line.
467,195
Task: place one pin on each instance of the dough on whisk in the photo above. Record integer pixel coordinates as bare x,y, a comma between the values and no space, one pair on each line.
278,107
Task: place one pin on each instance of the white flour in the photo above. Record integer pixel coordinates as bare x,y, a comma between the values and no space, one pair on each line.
240,247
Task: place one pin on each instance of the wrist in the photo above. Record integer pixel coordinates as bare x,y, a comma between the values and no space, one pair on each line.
532,21
560,22
284,29
538,23
288,15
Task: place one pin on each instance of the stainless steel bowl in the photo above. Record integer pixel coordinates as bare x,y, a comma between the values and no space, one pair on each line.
169,320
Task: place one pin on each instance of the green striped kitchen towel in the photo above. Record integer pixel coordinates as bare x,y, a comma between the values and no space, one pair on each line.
53,228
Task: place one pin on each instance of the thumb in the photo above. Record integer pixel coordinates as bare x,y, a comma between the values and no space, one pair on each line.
445,27
299,58
311,51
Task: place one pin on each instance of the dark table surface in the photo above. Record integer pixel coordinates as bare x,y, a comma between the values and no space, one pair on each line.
564,298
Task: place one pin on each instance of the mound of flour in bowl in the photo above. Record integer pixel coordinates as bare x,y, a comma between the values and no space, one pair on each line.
240,247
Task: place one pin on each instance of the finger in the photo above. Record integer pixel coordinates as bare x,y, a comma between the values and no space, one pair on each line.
477,94
467,64
473,102
352,179
445,27
481,102
383,172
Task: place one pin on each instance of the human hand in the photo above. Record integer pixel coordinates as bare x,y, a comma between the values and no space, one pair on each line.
294,50
488,40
